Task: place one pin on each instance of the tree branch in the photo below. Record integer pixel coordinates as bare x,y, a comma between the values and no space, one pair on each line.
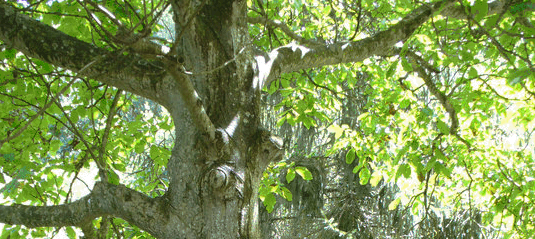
105,200
130,73
43,42
283,27
295,57
459,12
192,101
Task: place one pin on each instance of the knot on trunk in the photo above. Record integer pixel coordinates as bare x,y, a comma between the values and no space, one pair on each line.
224,182
269,148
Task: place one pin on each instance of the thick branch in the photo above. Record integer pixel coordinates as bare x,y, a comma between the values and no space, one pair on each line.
43,42
459,12
105,199
192,101
130,73
294,57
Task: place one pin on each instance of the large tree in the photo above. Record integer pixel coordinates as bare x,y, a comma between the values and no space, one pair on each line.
78,65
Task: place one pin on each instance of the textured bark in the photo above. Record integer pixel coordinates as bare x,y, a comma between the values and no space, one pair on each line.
151,214
220,150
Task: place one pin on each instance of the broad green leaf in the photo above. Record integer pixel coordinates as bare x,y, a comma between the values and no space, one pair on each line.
518,76
290,175
364,176
359,166
392,69
472,73
303,172
38,233
480,9
350,156
70,232
119,166
284,83
140,147
113,178
404,103
8,54
155,152
406,65
443,127
440,168
269,202
404,170
286,194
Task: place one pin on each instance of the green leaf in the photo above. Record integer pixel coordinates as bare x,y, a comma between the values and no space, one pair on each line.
376,178
443,127
119,166
269,202
273,87
140,147
39,233
472,73
286,194
441,169
406,65
404,103
284,83
113,178
391,69
364,176
350,156
394,204
404,170
480,9
290,175
518,76
8,54
155,152
358,167
415,207
303,172
70,232
337,130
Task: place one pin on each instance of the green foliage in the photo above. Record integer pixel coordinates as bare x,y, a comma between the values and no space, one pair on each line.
404,134
54,136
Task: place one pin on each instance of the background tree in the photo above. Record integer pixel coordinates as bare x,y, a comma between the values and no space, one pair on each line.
424,97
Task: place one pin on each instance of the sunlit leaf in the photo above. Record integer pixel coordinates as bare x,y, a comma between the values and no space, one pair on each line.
303,172
394,204
350,156
290,175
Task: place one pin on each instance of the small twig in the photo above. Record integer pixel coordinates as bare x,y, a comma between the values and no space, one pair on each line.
105,135
34,117
283,27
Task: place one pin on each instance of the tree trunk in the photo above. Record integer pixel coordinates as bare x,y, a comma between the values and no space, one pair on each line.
221,199
210,84
212,93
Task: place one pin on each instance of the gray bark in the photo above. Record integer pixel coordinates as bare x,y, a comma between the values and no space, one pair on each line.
220,150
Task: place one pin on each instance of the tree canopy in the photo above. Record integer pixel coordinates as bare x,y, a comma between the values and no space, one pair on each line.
130,118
